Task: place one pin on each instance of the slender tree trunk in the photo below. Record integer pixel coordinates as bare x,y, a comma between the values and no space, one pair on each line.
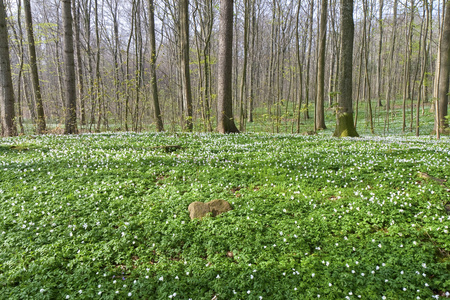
40,123
20,56
424,65
358,91
185,71
438,59
407,73
308,63
139,65
69,63
244,66
251,98
76,20
6,85
380,48
366,39
153,79
320,97
98,83
299,66
225,120
390,68
128,78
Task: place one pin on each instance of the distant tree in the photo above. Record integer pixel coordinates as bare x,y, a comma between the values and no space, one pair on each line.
69,63
344,113
6,86
225,120
40,122
153,79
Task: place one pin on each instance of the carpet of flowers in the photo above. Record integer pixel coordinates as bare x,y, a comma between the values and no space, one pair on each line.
105,216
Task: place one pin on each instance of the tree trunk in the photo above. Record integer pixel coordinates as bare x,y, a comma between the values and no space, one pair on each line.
250,104
225,120
308,64
366,43
6,86
390,68
40,122
300,68
407,72
441,123
98,83
424,66
344,116
244,67
380,48
76,19
185,70
153,78
320,101
69,63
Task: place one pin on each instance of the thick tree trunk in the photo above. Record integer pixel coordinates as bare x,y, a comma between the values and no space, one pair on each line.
441,123
344,122
40,122
6,86
225,120
69,63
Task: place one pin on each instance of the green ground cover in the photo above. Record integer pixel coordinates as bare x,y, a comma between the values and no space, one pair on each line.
105,216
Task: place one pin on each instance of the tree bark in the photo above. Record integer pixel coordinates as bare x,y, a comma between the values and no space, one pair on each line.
76,19
6,86
380,48
153,78
244,66
40,122
344,115
300,68
320,101
185,70
69,63
390,68
308,64
225,120
441,123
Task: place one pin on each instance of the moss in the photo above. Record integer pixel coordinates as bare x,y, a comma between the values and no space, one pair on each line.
345,127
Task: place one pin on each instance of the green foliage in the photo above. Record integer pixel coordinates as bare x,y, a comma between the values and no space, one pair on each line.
106,214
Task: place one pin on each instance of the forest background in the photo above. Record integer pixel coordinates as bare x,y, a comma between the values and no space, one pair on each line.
282,80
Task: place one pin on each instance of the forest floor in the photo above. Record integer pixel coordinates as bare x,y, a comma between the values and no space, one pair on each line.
105,216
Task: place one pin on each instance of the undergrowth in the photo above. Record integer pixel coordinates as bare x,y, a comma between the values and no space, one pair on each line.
105,216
